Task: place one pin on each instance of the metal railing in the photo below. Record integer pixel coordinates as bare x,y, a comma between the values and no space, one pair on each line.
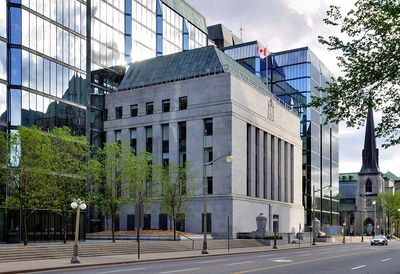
181,234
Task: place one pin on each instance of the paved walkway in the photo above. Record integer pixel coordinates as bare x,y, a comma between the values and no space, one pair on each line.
41,265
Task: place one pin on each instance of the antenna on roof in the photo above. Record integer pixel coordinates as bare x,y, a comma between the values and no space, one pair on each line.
241,30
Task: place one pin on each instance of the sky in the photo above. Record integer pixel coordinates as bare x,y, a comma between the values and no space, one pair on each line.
287,24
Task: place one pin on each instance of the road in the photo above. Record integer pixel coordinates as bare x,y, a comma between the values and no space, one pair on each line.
348,258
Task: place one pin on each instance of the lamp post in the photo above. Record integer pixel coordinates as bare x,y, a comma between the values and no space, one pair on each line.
398,219
78,205
313,209
228,159
374,203
344,237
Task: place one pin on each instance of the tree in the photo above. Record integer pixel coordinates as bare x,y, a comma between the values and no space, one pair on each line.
4,163
69,166
139,176
109,188
370,62
28,186
178,189
389,203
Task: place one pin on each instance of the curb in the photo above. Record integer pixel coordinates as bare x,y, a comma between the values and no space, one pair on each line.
72,266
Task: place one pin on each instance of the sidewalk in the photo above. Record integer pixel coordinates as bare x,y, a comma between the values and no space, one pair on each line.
43,265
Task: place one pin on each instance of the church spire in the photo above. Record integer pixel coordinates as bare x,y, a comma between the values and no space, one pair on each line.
370,154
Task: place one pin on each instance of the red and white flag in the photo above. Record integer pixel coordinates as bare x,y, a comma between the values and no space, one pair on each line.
263,52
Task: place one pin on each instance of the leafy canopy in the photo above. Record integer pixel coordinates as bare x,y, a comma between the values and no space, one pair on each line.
370,62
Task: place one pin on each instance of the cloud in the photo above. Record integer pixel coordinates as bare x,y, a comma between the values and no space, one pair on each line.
287,24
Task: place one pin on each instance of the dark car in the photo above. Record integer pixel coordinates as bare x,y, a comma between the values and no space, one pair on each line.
379,240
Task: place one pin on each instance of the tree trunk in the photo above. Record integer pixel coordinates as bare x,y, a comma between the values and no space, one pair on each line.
174,229
25,226
65,222
113,227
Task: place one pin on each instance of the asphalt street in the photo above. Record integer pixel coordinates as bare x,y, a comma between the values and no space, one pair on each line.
347,258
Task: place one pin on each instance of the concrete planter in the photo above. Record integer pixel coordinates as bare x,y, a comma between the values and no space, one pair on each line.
325,240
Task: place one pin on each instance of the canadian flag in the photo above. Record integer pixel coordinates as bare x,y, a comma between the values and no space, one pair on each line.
263,52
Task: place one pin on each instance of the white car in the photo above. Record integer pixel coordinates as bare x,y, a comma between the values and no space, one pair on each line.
379,240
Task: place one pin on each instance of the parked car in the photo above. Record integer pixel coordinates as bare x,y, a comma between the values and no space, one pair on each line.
379,240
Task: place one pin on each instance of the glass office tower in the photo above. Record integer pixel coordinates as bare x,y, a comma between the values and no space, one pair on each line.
294,77
52,75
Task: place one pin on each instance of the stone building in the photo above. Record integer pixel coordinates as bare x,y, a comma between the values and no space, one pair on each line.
359,191
196,106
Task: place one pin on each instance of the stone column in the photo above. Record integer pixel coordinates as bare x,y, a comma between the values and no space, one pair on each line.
267,167
261,164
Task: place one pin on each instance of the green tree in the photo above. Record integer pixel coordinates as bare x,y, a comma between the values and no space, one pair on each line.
369,57
28,186
69,166
140,177
4,163
389,203
109,188
178,188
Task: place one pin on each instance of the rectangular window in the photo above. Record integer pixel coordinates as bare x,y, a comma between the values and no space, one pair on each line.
183,103
165,140
149,108
210,185
16,66
134,140
105,114
118,113
208,154
166,105
16,22
134,110
149,139
208,127
117,136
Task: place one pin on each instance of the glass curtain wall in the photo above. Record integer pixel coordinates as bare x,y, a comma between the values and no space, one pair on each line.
47,64
107,58
3,65
294,77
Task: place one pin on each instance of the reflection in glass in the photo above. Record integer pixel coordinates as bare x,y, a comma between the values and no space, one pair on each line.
3,60
3,103
15,30
16,62
16,109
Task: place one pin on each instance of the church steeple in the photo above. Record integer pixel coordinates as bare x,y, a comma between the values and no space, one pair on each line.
370,154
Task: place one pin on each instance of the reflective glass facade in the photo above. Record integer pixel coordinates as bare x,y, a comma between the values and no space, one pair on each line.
52,75
294,77
46,65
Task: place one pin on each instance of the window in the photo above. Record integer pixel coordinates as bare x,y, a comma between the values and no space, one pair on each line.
149,108
134,140
118,113
165,105
368,202
134,110
105,114
208,154
149,139
208,127
117,136
209,185
368,186
182,103
165,139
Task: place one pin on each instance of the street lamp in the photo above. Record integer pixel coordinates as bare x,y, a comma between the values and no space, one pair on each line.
344,238
374,203
78,205
313,209
229,160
